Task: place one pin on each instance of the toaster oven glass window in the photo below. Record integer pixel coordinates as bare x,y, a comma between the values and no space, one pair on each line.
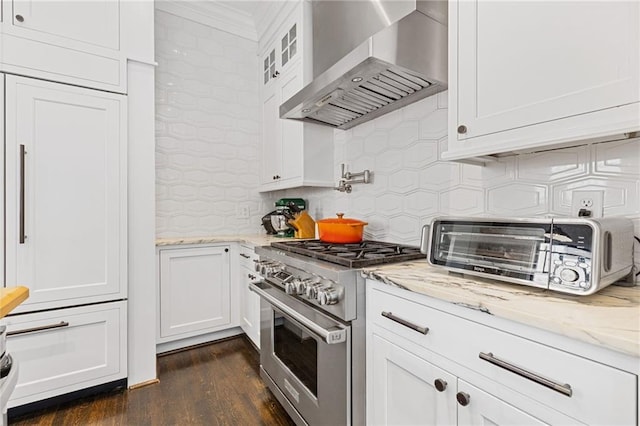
502,247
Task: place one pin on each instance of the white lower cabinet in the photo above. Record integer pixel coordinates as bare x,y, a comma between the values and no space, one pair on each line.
196,296
249,301
67,350
428,365
403,388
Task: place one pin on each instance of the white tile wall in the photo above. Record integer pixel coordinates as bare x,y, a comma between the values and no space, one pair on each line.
411,185
207,130
207,150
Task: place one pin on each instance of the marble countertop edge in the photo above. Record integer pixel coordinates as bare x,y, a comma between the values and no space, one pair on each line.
609,318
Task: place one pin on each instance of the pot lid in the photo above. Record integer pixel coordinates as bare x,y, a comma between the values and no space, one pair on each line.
341,220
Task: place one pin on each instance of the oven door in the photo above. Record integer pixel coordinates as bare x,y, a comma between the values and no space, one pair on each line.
306,355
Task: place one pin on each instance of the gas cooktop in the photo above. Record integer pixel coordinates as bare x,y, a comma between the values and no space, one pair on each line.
356,255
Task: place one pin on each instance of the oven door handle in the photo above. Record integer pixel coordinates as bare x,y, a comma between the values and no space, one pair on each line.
330,336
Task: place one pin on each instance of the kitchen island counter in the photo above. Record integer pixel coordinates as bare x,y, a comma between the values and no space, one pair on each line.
11,297
609,318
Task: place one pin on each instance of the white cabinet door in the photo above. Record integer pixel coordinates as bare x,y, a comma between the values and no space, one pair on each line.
292,134
66,189
93,22
483,409
522,63
530,74
271,131
195,296
71,349
77,42
402,388
249,301
250,306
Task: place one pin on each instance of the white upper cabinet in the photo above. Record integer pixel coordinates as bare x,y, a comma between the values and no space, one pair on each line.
527,74
294,154
66,191
77,42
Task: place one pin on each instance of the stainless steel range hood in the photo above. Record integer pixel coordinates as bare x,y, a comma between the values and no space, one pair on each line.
370,58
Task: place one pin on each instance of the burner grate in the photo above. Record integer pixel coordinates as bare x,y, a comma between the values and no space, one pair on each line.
357,255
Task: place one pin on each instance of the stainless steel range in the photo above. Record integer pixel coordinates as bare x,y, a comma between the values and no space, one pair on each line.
313,325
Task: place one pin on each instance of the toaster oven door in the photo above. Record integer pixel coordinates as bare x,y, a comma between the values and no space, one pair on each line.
512,251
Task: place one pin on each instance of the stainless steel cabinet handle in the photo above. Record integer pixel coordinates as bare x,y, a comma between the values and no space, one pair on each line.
463,398
22,192
41,328
419,329
440,385
246,256
19,18
564,389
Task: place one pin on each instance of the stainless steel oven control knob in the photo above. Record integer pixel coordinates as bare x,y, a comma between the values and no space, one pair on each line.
328,296
312,290
290,287
301,286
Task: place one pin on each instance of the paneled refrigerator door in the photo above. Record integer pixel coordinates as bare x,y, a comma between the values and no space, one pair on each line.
65,193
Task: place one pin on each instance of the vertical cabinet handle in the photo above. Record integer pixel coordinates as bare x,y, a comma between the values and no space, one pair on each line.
22,192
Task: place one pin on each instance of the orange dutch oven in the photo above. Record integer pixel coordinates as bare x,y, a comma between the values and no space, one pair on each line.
340,230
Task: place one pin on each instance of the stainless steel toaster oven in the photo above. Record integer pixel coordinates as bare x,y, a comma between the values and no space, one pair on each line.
570,255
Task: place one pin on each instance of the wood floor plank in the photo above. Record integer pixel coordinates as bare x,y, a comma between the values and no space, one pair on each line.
216,384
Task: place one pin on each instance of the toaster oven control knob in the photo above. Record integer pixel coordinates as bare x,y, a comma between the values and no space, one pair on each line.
569,275
328,296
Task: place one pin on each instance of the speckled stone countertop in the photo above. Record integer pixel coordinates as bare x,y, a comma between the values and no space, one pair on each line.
252,239
609,318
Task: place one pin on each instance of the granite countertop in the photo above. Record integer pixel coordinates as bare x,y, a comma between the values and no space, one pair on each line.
609,318
11,297
253,239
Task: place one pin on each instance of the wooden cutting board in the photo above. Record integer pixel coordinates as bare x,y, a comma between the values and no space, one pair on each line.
12,297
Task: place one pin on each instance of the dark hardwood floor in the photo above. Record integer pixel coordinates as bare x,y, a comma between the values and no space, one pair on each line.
216,384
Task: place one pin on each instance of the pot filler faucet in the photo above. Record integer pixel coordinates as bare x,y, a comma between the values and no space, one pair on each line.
348,178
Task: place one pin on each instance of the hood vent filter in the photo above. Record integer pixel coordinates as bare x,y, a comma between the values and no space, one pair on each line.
341,107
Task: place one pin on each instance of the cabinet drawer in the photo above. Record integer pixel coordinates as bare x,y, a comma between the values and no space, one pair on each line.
72,349
586,390
247,257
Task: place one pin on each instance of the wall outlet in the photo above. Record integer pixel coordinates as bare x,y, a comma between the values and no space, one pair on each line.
587,203
243,212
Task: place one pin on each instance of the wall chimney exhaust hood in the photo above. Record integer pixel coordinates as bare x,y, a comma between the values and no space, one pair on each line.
370,58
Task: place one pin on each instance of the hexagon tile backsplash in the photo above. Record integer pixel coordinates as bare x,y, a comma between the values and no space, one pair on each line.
208,148
412,185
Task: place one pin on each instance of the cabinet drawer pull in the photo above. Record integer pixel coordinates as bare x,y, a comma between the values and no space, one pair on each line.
246,256
440,385
419,329
564,389
19,18
41,328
